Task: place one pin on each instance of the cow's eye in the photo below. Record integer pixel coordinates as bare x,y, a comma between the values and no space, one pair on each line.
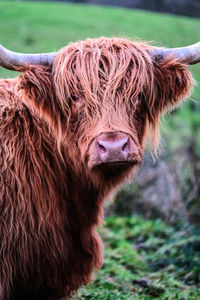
78,101
74,97
141,96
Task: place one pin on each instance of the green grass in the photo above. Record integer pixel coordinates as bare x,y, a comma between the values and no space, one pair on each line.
46,26
146,260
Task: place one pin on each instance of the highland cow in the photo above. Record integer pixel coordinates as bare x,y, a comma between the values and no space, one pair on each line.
73,126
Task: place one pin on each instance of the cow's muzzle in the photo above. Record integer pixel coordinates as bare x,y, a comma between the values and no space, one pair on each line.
113,149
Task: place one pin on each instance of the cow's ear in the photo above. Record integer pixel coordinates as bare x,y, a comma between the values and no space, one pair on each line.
37,89
172,84
38,93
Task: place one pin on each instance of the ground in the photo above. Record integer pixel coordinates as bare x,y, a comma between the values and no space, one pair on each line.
146,259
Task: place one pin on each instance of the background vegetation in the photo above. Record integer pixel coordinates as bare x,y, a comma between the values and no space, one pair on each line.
144,259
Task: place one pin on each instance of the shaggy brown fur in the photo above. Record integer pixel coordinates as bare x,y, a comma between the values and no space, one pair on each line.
50,198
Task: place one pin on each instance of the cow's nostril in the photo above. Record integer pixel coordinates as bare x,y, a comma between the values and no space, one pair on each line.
109,148
101,147
125,147
115,148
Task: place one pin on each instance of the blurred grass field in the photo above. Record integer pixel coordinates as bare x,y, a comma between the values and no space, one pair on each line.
143,259
47,26
146,260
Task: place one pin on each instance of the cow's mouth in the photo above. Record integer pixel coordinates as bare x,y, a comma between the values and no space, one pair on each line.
114,169
115,164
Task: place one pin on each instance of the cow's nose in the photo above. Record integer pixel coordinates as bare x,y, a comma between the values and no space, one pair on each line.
113,148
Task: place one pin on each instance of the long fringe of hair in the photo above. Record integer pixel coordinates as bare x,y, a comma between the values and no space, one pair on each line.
120,70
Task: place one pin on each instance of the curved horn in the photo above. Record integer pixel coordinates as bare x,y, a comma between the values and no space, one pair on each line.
15,61
189,55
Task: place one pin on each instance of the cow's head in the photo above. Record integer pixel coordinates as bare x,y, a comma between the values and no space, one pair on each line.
101,97
114,93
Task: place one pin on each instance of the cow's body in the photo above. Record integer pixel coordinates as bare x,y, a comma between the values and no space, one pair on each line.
53,181
43,225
